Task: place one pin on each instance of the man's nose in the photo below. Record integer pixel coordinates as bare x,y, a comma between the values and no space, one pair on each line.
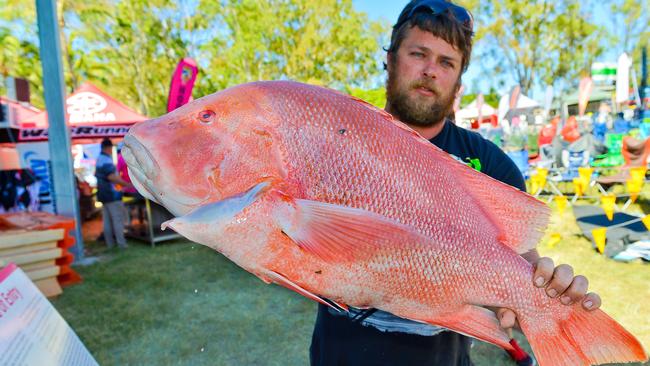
430,71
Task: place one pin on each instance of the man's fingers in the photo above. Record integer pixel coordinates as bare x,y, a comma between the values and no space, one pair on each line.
562,278
591,301
506,318
543,271
576,290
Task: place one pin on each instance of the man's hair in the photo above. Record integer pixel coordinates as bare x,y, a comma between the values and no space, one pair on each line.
106,143
444,26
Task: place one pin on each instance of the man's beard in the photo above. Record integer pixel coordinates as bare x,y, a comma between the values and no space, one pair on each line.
405,107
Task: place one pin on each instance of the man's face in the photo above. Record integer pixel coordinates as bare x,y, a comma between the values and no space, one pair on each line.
423,78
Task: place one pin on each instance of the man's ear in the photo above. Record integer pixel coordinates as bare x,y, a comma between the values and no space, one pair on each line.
390,60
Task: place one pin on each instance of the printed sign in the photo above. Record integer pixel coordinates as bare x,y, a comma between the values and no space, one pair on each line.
36,156
32,332
40,134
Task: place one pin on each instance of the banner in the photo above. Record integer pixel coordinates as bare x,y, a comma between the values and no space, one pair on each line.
623,79
180,90
584,92
36,156
41,134
603,72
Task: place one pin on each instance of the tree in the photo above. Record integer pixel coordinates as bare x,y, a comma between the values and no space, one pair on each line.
322,42
130,48
630,24
540,41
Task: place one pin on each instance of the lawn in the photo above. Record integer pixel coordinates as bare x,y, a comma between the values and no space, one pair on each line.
183,304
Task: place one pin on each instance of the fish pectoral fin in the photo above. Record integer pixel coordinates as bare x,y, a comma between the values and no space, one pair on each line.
334,233
207,215
477,322
280,279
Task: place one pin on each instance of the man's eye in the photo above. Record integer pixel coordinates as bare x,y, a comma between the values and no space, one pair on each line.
417,54
447,64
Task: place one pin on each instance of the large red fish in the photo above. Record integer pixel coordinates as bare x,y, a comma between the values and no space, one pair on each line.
332,198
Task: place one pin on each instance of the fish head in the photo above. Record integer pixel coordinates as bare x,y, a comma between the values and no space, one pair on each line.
214,147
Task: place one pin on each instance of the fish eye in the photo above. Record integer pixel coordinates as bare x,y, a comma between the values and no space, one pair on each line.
206,117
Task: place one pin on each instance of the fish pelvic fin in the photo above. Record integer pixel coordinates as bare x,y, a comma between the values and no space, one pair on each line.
477,322
280,279
338,233
584,338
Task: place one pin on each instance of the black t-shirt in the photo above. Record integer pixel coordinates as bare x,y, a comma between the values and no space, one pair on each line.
341,341
479,153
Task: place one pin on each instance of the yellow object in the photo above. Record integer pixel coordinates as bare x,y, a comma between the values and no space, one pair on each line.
634,188
585,176
638,173
555,238
608,201
561,202
600,237
578,186
646,221
538,180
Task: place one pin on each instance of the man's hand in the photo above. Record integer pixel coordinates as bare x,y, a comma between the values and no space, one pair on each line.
558,282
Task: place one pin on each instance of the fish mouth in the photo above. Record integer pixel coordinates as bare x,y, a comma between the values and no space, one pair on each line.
137,155
144,170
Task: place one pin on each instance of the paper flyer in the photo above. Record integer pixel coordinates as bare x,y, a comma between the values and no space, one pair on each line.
32,332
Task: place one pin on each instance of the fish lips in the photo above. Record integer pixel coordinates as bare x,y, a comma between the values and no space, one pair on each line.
142,167
137,156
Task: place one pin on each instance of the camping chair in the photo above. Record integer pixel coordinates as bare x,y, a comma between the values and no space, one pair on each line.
635,155
613,157
520,158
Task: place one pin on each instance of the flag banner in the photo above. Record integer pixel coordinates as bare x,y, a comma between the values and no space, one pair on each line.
600,237
180,90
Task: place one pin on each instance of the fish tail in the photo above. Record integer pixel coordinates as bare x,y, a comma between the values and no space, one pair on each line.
584,338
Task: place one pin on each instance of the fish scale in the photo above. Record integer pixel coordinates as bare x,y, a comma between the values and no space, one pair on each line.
332,198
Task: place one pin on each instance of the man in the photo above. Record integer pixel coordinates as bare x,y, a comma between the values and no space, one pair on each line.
111,199
430,49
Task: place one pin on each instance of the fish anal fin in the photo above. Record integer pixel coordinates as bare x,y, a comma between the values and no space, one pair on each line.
282,280
337,233
477,322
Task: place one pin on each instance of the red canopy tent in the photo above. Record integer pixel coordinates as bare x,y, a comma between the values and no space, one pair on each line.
90,113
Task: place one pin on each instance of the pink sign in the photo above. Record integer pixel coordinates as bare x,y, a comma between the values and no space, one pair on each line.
182,84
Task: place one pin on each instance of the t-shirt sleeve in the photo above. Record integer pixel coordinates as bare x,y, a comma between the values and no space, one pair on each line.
104,170
502,168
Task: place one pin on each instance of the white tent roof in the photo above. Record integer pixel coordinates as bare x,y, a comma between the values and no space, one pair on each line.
522,103
471,111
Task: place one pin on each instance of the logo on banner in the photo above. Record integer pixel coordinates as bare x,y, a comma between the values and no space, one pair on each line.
39,134
37,158
88,107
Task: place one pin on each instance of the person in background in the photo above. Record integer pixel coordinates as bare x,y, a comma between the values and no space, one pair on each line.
430,48
123,171
111,199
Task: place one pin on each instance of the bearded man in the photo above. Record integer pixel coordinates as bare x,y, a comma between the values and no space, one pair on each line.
430,48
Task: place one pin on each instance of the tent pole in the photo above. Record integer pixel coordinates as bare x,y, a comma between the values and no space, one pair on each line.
65,193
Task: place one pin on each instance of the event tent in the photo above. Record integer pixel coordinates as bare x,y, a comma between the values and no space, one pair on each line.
90,113
524,104
471,111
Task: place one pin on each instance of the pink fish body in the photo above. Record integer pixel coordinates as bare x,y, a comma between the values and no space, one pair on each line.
330,197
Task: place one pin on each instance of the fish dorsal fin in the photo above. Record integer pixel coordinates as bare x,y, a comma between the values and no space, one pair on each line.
338,233
520,219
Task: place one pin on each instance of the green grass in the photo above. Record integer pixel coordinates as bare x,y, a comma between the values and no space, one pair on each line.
183,304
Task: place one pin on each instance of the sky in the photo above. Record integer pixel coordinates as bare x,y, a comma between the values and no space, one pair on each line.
474,77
